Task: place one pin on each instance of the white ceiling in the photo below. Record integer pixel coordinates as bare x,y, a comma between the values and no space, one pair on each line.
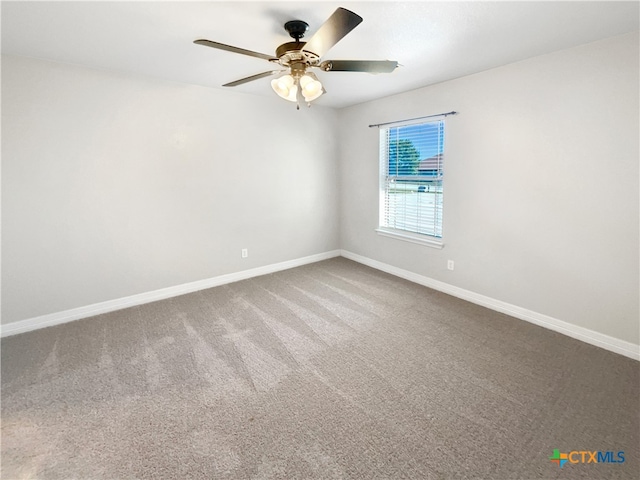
433,41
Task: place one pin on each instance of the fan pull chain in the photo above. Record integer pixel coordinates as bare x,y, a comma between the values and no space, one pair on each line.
298,93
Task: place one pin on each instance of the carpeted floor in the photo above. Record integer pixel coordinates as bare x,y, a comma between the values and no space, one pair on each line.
331,370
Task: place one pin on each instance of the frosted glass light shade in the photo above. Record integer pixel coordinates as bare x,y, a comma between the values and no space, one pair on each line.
285,87
311,87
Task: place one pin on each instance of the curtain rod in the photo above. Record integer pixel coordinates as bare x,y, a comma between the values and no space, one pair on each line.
411,119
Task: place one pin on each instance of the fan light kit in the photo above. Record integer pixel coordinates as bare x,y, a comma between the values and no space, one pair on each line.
298,82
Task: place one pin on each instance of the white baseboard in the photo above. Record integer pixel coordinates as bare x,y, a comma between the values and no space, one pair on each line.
125,302
622,347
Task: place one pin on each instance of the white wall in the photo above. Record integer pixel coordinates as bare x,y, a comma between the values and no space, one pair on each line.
541,185
114,185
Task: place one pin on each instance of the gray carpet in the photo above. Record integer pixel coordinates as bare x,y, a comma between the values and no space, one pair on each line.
331,370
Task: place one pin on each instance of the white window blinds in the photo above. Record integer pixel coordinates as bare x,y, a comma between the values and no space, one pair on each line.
412,159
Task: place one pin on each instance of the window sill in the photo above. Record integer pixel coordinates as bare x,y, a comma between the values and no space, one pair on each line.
411,237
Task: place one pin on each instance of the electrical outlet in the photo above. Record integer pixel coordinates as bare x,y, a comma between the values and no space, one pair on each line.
245,252
450,264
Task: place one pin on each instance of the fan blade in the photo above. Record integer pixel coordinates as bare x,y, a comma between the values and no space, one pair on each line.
229,48
339,24
369,66
252,78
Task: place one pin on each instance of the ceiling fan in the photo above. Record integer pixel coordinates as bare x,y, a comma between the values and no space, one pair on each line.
300,57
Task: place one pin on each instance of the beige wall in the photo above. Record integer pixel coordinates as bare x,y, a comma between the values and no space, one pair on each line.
114,185
541,185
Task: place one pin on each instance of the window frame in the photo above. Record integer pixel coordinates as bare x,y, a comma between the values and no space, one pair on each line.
407,235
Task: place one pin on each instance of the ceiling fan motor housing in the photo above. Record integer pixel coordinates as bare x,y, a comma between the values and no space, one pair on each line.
292,52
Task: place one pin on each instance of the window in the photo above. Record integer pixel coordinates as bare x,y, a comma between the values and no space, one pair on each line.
411,158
